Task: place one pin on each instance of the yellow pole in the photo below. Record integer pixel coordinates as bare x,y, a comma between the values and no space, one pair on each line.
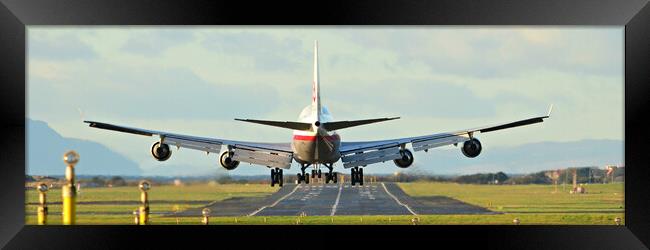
69,200
144,198
42,209
69,192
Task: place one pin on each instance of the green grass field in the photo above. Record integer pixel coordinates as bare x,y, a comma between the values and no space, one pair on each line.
532,204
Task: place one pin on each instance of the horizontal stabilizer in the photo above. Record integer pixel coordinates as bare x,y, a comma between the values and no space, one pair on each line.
289,125
331,126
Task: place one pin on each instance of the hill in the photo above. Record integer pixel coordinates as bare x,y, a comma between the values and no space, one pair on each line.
45,148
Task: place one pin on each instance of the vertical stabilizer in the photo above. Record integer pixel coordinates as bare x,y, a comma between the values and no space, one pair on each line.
315,89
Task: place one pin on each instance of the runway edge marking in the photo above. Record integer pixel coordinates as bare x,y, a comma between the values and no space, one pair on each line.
276,202
397,200
336,203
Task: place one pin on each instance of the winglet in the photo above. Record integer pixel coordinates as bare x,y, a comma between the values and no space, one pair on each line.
550,109
81,113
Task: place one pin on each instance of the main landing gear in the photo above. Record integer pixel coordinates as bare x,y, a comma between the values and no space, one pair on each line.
357,176
276,177
333,177
317,173
303,178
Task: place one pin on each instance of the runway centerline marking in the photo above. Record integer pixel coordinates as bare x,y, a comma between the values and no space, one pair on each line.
397,200
336,203
276,202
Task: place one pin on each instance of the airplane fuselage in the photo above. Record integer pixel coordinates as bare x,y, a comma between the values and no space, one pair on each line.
316,146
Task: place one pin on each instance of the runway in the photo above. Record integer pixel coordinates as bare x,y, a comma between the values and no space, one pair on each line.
338,199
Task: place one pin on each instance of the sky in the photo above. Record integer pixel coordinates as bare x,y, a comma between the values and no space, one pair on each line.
196,80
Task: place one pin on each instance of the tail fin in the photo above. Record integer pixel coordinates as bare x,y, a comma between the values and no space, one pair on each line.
315,88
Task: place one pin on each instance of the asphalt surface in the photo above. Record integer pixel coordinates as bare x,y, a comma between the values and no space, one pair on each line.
338,199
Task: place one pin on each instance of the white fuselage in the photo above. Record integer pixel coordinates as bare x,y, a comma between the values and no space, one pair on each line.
318,145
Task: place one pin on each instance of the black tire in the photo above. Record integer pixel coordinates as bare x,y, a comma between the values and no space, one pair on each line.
360,177
273,177
306,178
327,178
299,176
335,177
319,174
280,178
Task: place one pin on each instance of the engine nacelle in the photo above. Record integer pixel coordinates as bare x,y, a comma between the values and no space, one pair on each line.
227,162
406,160
161,151
471,148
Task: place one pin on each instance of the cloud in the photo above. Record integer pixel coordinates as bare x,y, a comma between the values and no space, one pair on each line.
58,46
417,98
269,53
498,52
140,93
150,42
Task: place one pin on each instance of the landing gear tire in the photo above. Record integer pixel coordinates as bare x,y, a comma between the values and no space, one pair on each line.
360,177
327,178
276,177
357,176
335,177
306,178
319,174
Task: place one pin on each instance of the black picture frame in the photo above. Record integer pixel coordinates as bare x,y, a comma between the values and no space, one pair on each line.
15,15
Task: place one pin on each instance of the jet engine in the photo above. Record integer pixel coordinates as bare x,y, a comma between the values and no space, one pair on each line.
227,162
406,160
161,151
471,148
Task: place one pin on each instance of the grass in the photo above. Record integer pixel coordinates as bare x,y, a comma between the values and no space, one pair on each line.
527,198
532,204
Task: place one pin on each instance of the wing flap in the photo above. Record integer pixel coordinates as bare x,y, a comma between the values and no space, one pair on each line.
264,158
438,142
366,158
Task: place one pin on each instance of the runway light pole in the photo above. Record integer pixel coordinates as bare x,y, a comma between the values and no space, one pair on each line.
42,209
206,216
144,209
69,192
136,216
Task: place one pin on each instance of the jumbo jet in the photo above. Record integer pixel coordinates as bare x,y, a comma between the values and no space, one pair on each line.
315,143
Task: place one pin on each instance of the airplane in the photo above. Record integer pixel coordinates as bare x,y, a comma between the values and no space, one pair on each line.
315,143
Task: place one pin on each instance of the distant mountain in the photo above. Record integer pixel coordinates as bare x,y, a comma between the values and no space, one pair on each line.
527,158
45,148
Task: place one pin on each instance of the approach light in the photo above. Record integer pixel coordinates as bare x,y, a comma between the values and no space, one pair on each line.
42,187
144,185
71,158
205,212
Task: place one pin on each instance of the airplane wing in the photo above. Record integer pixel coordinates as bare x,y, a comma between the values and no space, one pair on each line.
266,154
355,154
